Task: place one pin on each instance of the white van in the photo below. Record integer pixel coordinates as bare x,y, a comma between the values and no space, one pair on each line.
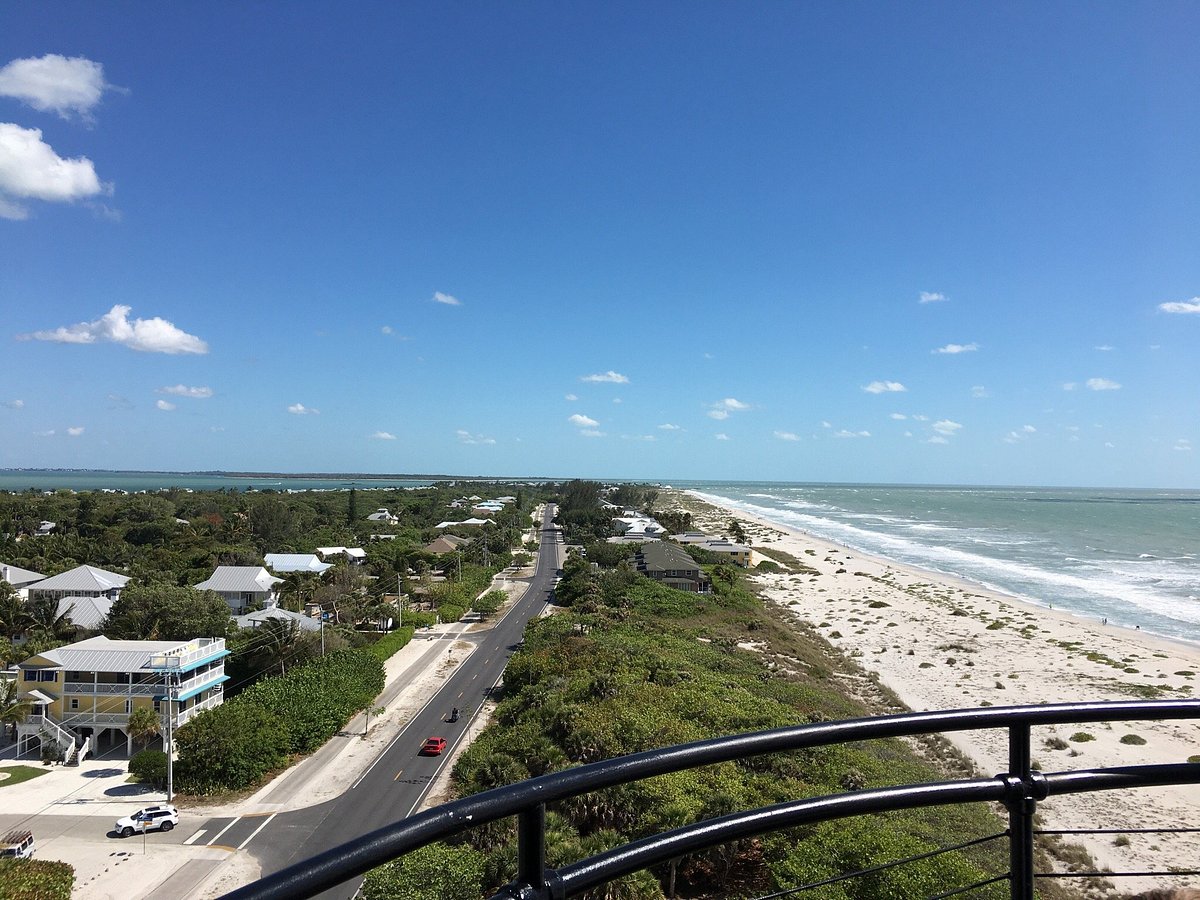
17,845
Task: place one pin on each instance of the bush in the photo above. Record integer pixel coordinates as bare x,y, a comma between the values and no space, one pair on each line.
448,612
229,747
149,766
1135,739
1082,737
434,871
387,645
35,879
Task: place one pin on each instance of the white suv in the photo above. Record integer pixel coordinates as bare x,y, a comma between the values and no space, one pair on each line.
162,817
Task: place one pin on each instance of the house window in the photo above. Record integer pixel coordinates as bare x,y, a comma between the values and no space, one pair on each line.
74,703
158,707
128,706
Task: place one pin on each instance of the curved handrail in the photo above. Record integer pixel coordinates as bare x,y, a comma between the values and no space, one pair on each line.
356,857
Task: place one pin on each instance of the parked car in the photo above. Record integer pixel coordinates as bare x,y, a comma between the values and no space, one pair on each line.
17,845
162,817
433,746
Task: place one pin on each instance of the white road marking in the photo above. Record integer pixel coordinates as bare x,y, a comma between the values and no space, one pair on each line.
257,830
195,837
223,830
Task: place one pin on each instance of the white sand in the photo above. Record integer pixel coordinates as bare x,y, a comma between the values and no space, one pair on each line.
928,638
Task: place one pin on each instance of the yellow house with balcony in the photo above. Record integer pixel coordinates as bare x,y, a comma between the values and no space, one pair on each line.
83,693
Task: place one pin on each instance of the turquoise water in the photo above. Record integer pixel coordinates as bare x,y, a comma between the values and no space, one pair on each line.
91,480
1130,556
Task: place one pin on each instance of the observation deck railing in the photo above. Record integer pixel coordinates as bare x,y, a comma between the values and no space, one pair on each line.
1019,790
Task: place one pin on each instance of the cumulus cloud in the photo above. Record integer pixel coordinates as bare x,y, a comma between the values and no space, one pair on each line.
1183,444
1069,385
1105,348
843,433
957,348
609,377
299,409
439,297
667,426
787,436
884,387
466,437
148,335
31,170
164,405
920,418
75,431
899,417
582,421
722,408
1183,307
592,432
383,436
946,427
979,392
721,436
932,297
1102,384
54,83
14,404
182,390
937,439
571,397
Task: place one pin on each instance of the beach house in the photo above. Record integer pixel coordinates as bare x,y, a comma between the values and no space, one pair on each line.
737,553
20,578
82,694
671,565
244,588
82,581
296,562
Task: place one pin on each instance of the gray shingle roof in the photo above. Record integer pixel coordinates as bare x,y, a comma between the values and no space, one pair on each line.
82,578
227,579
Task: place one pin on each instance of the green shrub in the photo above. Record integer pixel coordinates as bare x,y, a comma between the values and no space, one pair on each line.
448,612
149,766
434,872
387,645
419,619
1135,739
229,747
768,567
35,879
1055,743
1082,737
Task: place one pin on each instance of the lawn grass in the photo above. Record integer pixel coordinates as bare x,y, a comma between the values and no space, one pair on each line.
17,774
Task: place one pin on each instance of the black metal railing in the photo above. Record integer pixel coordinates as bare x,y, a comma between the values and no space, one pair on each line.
1019,790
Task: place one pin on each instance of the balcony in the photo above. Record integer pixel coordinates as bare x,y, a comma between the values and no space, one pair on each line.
208,648
207,703
112,688
1019,790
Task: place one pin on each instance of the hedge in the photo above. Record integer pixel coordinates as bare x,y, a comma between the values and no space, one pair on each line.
35,879
228,747
149,766
390,643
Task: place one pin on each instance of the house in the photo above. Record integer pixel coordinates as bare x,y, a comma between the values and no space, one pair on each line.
637,527
471,521
738,553
671,565
243,587
446,543
381,537
382,515
83,694
45,528
87,614
82,581
355,555
20,578
296,562
257,618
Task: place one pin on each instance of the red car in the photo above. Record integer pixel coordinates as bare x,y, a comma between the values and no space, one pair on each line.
433,746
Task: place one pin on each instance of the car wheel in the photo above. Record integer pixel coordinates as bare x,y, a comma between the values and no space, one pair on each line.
167,826
127,831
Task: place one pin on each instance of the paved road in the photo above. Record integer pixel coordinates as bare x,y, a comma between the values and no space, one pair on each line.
396,782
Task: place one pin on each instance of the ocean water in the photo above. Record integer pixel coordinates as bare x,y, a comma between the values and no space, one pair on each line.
1129,556
95,480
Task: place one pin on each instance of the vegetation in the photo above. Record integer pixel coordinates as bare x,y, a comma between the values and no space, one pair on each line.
35,879
229,747
149,766
16,775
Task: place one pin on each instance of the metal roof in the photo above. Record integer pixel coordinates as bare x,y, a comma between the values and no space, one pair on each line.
82,578
258,617
85,612
18,577
253,579
295,562
99,654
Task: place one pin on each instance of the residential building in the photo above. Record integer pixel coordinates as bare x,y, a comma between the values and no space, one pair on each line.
82,581
446,543
84,693
259,617
87,614
296,562
738,553
471,521
20,578
356,556
637,527
244,588
671,565
382,515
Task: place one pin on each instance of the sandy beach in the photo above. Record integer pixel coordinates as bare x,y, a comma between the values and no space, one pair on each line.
939,643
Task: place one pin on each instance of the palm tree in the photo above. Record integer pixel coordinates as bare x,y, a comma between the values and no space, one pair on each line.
43,614
12,709
144,724
14,617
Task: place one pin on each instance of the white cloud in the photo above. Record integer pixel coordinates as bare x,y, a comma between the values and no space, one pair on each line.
467,437
148,335
49,433
1069,385
787,436
299,409
54,83
825,424
383,436
639,437
1104,348
957,348
1183,306
719,414
1109,444
932,297
884,387
75,431
216,429
571,397
945,426
386,329
439,297
843,433
937,439
582,421
920,418
164,405
1183,444
722,408
592,433
617,400
979,392
14,404
31,170
899,417
182,390
721,436
667,426
609,377
1102,384
1028,429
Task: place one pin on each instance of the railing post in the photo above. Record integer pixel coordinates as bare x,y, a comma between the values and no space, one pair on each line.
531,848
1021,806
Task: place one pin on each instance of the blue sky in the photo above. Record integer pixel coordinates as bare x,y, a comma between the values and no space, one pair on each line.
948,243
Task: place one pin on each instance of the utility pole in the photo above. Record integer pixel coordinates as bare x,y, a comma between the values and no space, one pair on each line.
170,734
